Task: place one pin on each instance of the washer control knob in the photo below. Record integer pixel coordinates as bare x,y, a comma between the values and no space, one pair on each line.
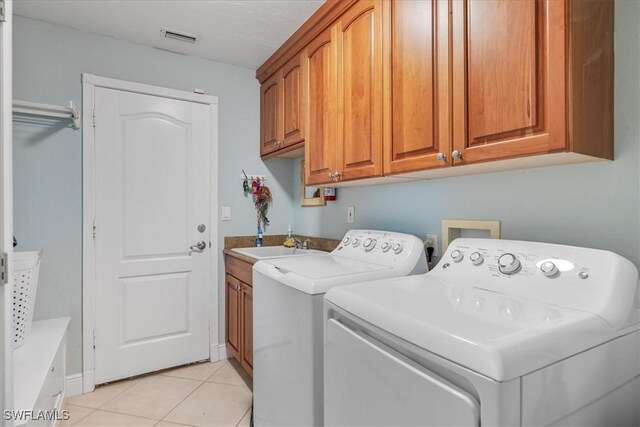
476,258
509,264
549,269
457,255
356,242
398,248
385,247
346,240
369,244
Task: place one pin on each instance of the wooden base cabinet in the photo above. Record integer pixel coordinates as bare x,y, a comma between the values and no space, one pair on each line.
239,312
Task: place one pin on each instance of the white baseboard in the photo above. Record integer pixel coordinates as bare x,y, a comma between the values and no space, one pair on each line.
218,352
222,352
74,385
88,382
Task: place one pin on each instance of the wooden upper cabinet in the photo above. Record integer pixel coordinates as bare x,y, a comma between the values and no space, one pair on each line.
360,91
282,111
508,78
271,124
417,100
318,61
292,102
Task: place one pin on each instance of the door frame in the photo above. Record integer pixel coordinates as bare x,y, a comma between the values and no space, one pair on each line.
6,211
89,83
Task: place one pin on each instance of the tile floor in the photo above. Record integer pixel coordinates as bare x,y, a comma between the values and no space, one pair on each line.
204,394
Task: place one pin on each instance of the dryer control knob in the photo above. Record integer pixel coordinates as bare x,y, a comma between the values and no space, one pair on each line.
369,244
476,258
457,255
398,248
549,269
356,242
385,247
346,240
509,264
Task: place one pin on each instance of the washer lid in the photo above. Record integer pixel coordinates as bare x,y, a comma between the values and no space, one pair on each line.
315,274
493,334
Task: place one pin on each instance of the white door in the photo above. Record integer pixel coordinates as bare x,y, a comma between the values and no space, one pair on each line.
6,212
152,202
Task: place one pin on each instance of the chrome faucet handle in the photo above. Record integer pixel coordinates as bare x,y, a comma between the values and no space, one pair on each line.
305,244
298,243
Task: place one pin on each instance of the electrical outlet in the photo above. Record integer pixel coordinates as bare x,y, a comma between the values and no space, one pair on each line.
432,240
351,214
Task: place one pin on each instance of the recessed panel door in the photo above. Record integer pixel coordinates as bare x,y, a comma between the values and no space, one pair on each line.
359,84
508,78
152,261
320,132
418,104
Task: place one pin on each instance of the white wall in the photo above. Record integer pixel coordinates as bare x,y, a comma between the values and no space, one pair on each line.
48,62
593,205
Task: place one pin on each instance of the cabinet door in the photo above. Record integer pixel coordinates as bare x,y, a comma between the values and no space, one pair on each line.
292,102
247,328
233,315
360,66
508,78
270,115
320,97
417,105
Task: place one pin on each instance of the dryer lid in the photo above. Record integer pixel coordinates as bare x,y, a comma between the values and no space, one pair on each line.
499,336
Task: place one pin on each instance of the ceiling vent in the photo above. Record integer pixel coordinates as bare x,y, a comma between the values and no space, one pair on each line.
180,36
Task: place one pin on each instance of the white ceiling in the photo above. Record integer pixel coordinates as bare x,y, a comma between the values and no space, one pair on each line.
242,32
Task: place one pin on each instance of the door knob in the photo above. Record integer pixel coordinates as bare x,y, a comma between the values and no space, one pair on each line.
441,156
456,154
200,246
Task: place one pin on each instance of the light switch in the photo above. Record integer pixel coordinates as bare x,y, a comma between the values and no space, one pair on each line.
226,213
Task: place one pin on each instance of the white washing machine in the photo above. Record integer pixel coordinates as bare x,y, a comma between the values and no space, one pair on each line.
288,324
499,333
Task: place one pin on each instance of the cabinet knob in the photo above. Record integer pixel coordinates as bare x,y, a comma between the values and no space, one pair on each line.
330,175
337,175
441,156
456,154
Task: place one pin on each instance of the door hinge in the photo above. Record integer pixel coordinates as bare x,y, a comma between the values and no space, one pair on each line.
3,11
95,340
94,118
3,268
93,229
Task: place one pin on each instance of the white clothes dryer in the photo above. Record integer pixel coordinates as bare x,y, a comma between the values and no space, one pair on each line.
499,333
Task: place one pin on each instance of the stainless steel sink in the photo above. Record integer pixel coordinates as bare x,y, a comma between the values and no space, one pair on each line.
266,252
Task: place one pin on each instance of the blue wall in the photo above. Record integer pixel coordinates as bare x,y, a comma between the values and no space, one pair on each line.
48,63
594,205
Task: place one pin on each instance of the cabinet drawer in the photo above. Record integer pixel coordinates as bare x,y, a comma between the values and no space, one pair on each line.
239,269
53,389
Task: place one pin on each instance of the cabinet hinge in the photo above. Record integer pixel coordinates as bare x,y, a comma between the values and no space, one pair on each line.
3,11
95,339
94,118
3,268
93,229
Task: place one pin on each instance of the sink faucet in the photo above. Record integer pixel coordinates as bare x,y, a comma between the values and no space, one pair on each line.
302,245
